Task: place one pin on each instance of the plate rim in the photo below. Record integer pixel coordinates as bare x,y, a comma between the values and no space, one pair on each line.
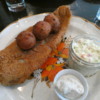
48,13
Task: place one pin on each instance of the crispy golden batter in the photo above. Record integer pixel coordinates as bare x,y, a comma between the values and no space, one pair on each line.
64,15
17,65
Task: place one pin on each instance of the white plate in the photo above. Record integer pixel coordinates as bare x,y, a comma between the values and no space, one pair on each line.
42,92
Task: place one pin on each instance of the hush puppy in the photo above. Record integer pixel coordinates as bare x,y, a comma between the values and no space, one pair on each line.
26,40
41,30
53,21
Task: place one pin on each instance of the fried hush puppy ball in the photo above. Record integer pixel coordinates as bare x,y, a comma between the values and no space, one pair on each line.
26,40
41,30
53,21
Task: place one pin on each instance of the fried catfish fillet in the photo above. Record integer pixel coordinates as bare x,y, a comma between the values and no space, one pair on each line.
16,65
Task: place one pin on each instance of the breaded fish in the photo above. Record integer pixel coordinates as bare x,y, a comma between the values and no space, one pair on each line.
16,65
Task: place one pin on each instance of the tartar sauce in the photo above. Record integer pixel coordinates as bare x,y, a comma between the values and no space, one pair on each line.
70,86
87,50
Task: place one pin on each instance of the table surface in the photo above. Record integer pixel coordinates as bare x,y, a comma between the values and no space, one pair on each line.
78,7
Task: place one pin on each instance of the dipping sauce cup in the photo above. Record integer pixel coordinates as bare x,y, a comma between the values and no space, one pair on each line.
69,84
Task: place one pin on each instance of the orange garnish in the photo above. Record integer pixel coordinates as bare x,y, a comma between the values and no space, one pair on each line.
50,67
65,51
62,64
45,73
63,56
52,73
61,46
50,61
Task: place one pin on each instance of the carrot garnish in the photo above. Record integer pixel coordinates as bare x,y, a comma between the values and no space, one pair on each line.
50,61
54,72
63,56
61,46
65,51
61,65
50,67
45,73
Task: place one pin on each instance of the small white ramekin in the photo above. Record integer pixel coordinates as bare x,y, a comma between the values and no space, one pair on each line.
76,74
